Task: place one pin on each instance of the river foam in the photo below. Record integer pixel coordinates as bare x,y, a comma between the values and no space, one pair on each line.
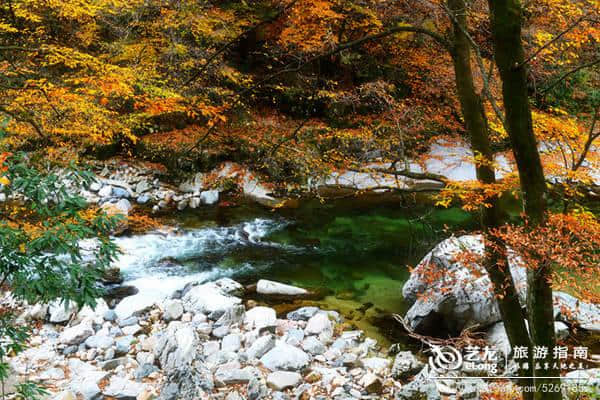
154,262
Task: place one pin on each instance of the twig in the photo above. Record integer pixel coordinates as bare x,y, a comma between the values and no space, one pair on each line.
569,73
557,37
468,337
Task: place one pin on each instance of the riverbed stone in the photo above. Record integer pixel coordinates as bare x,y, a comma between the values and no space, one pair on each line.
77,334
176,347
52,374
60,311
313,346
261,346
144,370
375,364
105,191
110,315
420,387
285,357
173,309
371,383
302,314
406,365
114,363
318,323
231,373
212,296
260,317
230,316
123,389
281,380
209,197
268,287
194,184
143,186
134,305
123,344
231,342
99,341
573,311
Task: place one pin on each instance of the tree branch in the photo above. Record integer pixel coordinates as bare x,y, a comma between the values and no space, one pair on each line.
590,139
406,173
556,38
569,73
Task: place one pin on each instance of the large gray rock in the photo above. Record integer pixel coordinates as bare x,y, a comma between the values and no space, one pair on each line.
375,364
231,342
497,338
285,357
231,374
37,312
267,287
143,186
313,346
188,383
135,305
84,379
233,315
177,346
447,295
573,311
212,296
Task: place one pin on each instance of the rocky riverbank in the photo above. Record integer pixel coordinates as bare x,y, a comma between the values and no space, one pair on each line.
204,343
208,340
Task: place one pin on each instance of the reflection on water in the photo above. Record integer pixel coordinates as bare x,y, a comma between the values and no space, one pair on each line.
356,253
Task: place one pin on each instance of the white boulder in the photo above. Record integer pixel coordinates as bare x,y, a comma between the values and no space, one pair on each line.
268,287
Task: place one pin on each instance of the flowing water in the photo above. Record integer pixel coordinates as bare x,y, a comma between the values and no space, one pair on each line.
356,253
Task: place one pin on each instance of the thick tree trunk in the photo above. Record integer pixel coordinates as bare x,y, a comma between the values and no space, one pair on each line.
505,18
496,263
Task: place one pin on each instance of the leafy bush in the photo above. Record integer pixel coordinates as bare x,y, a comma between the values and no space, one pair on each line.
51,248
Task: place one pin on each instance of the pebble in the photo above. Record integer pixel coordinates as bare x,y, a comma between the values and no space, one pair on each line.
238,347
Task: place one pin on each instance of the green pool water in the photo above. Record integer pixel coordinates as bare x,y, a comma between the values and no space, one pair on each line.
356,252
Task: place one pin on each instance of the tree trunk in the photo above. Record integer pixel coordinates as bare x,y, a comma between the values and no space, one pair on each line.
496,263
505,16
